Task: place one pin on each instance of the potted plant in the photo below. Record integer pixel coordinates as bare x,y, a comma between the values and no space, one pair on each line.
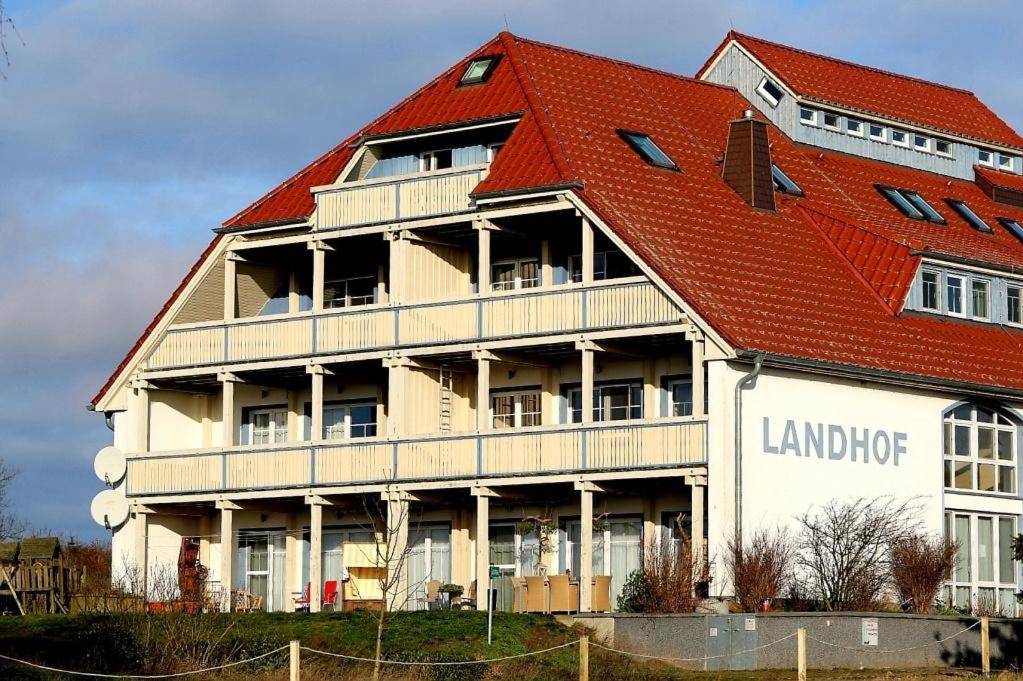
452,593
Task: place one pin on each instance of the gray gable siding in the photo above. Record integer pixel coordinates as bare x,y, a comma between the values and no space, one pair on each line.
735,68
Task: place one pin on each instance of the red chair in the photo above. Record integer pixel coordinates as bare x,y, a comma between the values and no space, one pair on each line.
329,594
302,602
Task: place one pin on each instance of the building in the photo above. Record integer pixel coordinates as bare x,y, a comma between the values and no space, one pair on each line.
553,292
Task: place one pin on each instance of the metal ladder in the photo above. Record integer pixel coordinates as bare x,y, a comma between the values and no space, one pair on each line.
446,398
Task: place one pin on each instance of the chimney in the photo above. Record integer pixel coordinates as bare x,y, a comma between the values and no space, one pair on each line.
747,166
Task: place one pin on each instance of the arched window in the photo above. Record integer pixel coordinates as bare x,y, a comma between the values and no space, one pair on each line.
980,449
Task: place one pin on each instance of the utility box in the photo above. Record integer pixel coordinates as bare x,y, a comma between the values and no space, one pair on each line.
731,642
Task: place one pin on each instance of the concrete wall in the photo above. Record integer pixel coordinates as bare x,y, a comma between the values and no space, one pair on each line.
686,636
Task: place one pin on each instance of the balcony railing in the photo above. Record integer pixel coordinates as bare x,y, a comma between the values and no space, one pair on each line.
520,314
542,450
407,197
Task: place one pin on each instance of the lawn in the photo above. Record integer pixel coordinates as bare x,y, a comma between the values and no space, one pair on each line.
154,644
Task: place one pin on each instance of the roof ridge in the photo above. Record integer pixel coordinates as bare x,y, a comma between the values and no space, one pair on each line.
619,62
736,35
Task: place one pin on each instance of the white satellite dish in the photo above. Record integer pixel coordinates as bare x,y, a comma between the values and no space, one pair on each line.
109,509
110,465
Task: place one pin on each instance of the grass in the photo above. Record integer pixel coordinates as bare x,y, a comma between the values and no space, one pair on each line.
172,643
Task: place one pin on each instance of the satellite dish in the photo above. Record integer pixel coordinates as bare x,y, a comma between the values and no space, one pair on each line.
110,465
109,509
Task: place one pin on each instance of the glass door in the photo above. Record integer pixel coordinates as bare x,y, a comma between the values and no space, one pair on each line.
503,555
429,559
261,560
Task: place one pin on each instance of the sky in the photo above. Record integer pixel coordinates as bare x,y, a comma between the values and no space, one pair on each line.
128,130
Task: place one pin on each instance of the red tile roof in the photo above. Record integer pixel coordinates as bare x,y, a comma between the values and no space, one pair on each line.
998,178
890,95
821,279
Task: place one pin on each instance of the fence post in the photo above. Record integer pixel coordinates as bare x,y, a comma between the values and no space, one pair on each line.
801,653
985,645
293,653
584,658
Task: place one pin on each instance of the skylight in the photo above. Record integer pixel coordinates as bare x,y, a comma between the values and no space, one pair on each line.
1013,226
901,202
921,205
647,149
478,70
770,91
784,183
966,213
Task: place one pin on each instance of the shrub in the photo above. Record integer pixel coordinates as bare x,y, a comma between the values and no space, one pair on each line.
919,567
671,579
635,592
760,568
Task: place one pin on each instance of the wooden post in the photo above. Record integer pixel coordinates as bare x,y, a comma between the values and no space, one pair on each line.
587,254
801,653
230,286
699,386
294,653
586,546
985,645
315,554
584,658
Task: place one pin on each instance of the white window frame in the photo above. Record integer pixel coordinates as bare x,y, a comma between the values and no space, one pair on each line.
938,290
813,120
428,159
883,137
672,383
492,150
946,154
275,433
519,282
990,162
964,282
925,147
768,97
1006,162
838,121
519,412
905,143
859,130
343,430
1019,303
950,423
1003,583
348,299
986,284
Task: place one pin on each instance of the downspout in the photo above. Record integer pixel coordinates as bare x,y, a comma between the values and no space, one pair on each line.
748,381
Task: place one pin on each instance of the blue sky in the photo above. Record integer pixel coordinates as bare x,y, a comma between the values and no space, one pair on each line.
129,129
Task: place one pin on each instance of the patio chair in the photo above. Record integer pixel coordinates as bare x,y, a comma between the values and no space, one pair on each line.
519,589
329,594
536,594
468,601
301,600
564,595
601,593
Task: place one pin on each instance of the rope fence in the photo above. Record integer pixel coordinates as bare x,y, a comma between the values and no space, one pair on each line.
296,649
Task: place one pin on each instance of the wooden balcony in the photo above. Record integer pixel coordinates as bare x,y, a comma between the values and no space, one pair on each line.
542,450
518,314
419,195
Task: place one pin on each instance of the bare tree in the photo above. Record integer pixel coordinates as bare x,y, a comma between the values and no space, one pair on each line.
10,526
670,580
7,28
844,549
760,567
919,567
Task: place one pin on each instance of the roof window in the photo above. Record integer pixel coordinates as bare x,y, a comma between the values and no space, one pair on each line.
784,183
770,91
966,213
911,204
1013,226
479,70
647,149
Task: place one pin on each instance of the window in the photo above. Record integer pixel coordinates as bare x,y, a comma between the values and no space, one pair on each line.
518,273
515,409
832,121
954,295
770,91
435,160
943,147
611,402
980,299
479,70
980,450
267,426
931,286
900,138
680,392
901,202
346,421
921,143
647,149
1005,162
877,133
984,578
1013,226
784,183
606,265
349,292
966,213
921,205
985,158
1014,304
492,151
854,127
807,116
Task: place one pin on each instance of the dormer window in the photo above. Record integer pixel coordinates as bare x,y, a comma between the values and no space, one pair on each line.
854,126
1005,162
438,159
921,143
783,183
807,116
479,70
985,158
832,121
900,138
770,91
877,133
966,213
943,147
648,150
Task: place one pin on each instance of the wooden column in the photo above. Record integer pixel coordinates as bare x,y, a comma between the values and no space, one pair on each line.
319,250
483,258
381,285
587,254
292,568
294,300
650,410
315,553
482,393
699,386
398,509
396,371
697,489
546,264
207,421
316,417
548,390
230,286
398,268
587,383
482,547
294,416
229,429
226,552
585,546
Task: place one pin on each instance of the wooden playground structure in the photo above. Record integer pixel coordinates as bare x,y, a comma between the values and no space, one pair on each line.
34,577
